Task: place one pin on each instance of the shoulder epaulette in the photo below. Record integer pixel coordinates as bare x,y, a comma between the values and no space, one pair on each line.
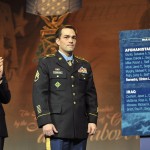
81,58
49,55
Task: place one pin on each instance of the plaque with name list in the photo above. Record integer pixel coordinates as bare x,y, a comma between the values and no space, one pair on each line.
135,81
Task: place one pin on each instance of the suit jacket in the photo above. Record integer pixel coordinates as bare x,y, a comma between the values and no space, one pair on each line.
65,96
4,99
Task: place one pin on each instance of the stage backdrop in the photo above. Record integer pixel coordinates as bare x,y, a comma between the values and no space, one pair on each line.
98,23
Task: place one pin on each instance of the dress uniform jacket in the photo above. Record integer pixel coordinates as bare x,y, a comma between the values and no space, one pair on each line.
65,96
4,99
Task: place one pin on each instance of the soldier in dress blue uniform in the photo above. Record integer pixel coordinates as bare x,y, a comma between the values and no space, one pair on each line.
4,99
64,95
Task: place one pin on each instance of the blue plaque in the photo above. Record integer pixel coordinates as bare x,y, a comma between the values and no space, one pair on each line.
135,81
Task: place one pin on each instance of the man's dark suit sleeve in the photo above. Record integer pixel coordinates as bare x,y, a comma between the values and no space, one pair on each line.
4,91
91,98
41,94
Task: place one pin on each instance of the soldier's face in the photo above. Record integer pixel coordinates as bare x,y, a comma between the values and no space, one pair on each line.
67,41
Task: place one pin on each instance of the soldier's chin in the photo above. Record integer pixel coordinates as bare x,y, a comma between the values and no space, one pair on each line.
70,50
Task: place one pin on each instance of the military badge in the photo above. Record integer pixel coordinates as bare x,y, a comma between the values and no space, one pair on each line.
82,70
57,84
57,69
37,75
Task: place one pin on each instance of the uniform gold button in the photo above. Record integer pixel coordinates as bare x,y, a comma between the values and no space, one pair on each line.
72,77
72,85
74,94
74,102
57,76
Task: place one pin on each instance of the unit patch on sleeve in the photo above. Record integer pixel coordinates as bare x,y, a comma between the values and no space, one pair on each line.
37,75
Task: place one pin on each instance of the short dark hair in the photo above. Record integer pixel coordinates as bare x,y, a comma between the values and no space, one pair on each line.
58,32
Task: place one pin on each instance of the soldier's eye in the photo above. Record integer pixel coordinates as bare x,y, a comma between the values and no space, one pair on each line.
74,37
66,37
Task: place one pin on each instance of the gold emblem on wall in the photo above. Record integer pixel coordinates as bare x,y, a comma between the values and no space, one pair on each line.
47,43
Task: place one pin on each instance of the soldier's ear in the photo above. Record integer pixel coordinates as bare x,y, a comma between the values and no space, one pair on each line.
57,41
